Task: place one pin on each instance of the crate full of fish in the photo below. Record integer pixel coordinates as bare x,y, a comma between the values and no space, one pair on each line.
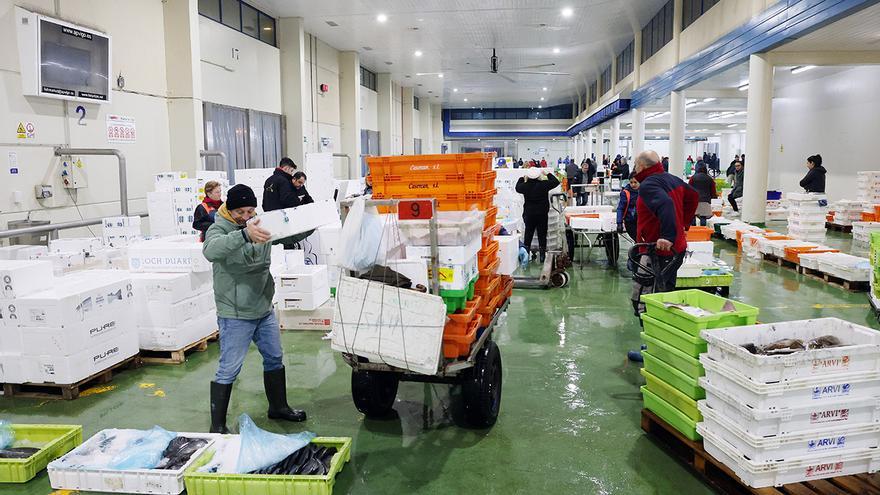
258,461
25,450
694,310
130,461
796,349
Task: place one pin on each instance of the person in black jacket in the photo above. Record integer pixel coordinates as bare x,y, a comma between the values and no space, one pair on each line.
300,195
203,217
705,187
278,192
536,188
814,181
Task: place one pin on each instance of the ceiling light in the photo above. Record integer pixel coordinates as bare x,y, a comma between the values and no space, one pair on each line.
465,99
540,106
556,50
542,98
743,87
381,17
802,68
544,89
709,100
732,126
717,134
567,12
455,90
418,53
741,112
440,76
267,28
690,100
742,130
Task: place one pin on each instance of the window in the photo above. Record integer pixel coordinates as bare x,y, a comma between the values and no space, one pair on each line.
693,9
368,79
416,103
594,92
605,80
240,16
625,62
249,138
556,112
658,32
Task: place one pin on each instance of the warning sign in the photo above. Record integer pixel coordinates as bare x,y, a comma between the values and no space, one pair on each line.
21,132
121,129
31,130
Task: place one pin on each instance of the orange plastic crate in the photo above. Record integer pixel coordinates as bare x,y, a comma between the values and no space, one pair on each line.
445,202
793,253
491,217
410,165
699,234
484,283
868,216
506,287
488,255
488,291
877,211
487,311
459,322
435,184
460,345
491,269
829,217
490,233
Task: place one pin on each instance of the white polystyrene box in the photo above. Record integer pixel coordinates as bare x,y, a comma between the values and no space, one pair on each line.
71,369
450,255
175,338
169,288
84,244
27,253
304,300
76,337
178,314
10,368
702,250
77,297
20,278
320,319
305,278
292,221
9,252
327,237
416,270
508,253
172,254
10,338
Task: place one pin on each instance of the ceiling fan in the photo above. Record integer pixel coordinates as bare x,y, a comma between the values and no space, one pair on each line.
494,68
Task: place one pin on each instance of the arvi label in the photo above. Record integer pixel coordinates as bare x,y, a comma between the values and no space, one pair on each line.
835,363
827,391
829,416
823,469
827,443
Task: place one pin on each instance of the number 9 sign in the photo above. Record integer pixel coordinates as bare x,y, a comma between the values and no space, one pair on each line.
415,210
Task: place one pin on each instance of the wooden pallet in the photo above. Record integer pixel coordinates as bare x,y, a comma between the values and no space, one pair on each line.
839,228
68,391
178,356
836,281
725,481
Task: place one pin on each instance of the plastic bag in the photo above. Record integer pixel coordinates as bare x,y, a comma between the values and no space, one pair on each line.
261,449
361,237
145,451
7,435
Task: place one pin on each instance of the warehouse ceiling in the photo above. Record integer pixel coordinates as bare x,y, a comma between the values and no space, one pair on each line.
456,38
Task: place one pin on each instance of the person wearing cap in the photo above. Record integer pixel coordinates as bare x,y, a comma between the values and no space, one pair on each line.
240,251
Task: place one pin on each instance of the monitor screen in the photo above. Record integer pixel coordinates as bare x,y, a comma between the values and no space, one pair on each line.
73,62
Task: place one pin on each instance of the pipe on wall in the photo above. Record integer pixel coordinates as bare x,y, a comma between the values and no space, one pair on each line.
120,159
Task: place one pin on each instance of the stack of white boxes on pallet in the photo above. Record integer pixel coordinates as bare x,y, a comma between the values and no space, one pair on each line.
23,252
302,298
806,216
173,204
63,330
868,183
801,416
862,232
121,231
175,305
847,211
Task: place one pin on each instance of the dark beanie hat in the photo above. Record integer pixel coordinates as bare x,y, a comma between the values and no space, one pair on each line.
240,196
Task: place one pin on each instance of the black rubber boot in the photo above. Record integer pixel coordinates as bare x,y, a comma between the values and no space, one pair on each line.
543,257
276,392
220,394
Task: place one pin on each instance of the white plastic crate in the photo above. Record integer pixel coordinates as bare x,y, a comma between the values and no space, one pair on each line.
778,421
847,267
140,481
797,392
811,260
861,354
802,197
454,228
761,475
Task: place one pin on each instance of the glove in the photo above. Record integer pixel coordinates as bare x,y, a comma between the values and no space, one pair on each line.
620,228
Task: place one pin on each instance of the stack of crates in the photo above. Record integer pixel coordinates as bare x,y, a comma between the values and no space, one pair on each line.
807,216
672,323
875,265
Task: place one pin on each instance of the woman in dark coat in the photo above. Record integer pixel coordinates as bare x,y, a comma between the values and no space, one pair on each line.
814,181
535,188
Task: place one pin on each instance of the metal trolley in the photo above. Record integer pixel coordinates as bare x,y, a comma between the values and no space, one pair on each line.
374,385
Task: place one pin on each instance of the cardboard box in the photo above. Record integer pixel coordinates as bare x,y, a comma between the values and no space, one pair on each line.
292,221
305,278
176,338
71,369
320,319
77,337
157,314
20,278
172,254
75,298
169,288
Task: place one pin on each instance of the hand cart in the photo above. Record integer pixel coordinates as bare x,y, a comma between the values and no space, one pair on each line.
374,385
645,275
553,274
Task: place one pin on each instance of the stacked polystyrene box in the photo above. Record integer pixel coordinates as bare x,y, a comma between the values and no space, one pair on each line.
173,204
862,231
806,216
846,267
302,288
176,301
23,252
790,417
64,329
847,211
254,178
868,183
121,231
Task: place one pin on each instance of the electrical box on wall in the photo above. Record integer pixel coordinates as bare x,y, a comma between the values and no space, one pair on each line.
73,174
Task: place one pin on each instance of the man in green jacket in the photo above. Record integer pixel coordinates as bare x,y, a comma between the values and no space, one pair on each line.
243,290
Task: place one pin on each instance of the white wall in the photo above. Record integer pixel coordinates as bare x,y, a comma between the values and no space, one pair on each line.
835,116
528,149
369,105
138,52
661,61
396,119
251,79
723,17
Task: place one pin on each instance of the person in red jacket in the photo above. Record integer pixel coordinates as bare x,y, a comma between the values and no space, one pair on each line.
664,211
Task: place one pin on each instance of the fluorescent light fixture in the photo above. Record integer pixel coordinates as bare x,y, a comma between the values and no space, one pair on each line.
567,12
741,112
455,90
664,113
418,53
556,50
692,104
742,130
690,100
542,98
465,99
743,87
540,106
717,134
802,68
544,88
381,17
709,100
732,125
440,76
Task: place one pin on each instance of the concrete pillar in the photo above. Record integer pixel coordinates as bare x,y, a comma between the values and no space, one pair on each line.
385,104
676,28
350,110
760,101
294,84
638,131
677,153
614,146
589,143
425,124
437,127
183,71
637,59
407,121
725,151
576,147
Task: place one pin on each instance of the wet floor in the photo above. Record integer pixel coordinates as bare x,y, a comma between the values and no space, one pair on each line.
569,419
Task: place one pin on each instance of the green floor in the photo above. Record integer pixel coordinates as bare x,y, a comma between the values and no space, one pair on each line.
570,415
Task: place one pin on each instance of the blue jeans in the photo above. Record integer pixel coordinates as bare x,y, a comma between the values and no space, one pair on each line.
235,339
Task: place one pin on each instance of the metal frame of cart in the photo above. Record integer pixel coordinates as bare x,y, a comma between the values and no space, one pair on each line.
374,385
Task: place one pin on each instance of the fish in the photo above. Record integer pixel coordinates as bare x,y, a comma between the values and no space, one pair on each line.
18,453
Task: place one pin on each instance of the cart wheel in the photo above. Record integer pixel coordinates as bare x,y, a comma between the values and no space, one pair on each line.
558,279
374,392
724,291
481,388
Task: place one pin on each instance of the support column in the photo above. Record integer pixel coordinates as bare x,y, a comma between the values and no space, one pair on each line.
676,133
576,145
589,143
437,127
638,131
425,123
637,59
407,121
677,7
294,87
350,110
725,151
183,70
614,146
760,101
385,104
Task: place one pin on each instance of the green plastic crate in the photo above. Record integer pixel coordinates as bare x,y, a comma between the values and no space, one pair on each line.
664,371
673,396
671,415
57,440
684,342
688,365
705,281
654,304
259,484
456,299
